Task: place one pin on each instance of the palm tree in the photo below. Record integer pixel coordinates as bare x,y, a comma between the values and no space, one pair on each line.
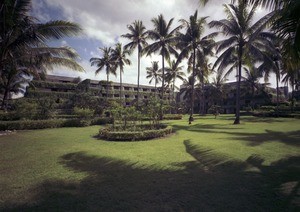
186,90
164,39
138,36
194,46
203,70
106,62
218,86
242,38
13,81
119,57
174,72
287,22
23,41
154,73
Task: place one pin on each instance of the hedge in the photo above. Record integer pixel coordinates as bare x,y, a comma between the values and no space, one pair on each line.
107,134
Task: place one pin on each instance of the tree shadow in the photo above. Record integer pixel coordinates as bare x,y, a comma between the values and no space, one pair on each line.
206,128
210,182
288,138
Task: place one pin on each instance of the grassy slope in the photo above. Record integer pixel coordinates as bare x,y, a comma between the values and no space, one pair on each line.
210,165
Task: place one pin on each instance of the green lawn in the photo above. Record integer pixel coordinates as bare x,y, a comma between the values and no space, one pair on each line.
210,165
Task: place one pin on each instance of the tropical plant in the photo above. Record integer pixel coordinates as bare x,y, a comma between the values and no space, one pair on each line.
137,36
164,39
174,72
119,56
194,46
154,73
24,41
218,90
107,62
242,38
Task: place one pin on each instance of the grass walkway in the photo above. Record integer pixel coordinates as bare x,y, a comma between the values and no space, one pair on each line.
209,165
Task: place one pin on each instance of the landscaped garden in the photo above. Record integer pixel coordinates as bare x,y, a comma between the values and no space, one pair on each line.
209,165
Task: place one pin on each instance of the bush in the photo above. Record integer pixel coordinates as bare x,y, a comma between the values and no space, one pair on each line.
42,124
108,134
101,121
172,116
76,123
31,124
84,113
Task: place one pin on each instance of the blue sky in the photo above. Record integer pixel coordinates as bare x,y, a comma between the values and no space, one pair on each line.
104,22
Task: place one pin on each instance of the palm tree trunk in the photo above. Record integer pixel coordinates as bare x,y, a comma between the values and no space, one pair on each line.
138,81
238,89
121,85
162,87
193,88
277,93
293,90
155,88
174,90
107,82
202,95
5,95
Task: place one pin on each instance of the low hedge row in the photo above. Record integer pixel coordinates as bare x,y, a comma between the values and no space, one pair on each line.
51,123
173,116
107,134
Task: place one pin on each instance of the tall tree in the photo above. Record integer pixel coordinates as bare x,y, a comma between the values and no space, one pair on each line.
154,73
137,37
164,40
107,62
242,38
195,46
119,56
174,72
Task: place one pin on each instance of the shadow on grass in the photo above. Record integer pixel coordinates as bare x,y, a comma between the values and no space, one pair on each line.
288,138
211,182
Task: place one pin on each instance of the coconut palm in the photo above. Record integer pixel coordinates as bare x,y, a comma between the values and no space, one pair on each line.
154,73
107,62
119,56
137,36
287,23
164,39
242,38
195,46
174,72
23,41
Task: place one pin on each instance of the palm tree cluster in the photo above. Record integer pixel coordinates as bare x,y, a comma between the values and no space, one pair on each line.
24,50
251,49
244,46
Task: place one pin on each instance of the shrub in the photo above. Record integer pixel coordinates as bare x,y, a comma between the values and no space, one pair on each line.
76,123
42,124
31,124
107,134
101,121
84,113
172,116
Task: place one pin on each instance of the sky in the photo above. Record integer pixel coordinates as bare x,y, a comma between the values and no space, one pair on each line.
104,21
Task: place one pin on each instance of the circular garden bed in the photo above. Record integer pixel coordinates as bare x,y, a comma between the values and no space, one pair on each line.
134,133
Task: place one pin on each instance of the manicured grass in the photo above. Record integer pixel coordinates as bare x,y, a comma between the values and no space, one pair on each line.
209,165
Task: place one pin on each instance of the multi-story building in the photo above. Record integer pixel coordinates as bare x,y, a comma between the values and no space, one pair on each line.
63,86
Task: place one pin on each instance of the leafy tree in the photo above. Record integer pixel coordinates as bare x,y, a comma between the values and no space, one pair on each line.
107,62
138,36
